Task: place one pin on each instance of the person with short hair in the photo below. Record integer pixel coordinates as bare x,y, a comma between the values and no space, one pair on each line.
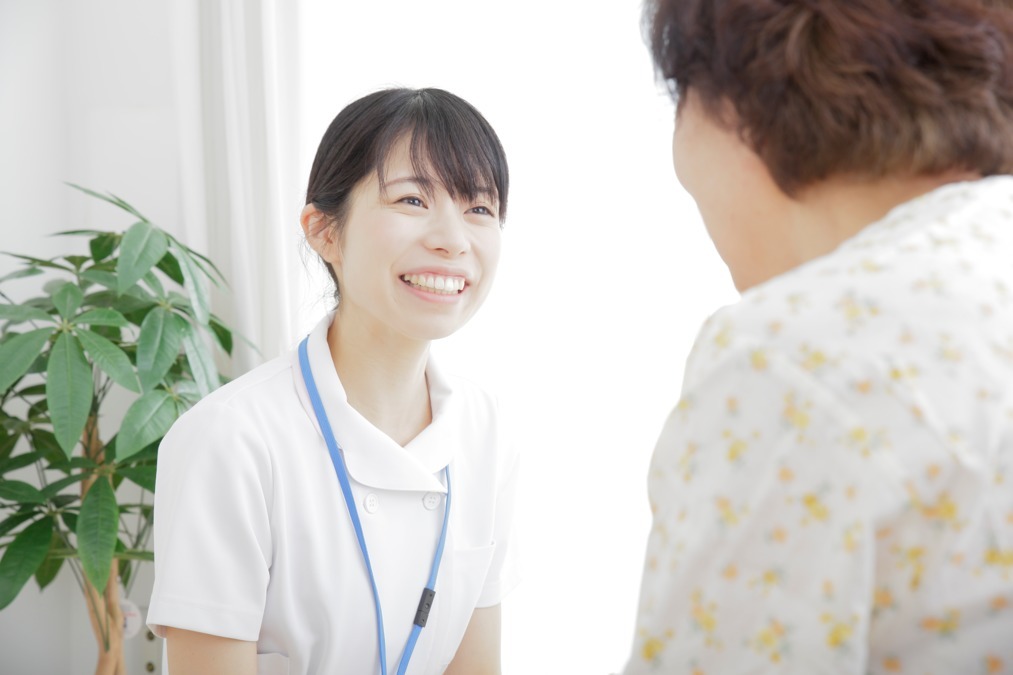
347,508
833,492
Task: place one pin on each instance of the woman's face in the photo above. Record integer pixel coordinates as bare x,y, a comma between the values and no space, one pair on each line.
738,200
414,262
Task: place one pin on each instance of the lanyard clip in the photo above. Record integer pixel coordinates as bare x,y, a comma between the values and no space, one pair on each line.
425,604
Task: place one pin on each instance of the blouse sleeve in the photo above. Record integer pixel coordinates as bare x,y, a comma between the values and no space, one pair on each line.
765,488
212,525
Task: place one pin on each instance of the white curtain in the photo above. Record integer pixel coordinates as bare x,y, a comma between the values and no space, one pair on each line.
236,78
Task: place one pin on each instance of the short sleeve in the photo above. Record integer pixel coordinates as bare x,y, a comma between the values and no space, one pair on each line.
504,570
212,525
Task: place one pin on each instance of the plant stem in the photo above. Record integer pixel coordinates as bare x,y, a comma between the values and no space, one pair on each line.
104,609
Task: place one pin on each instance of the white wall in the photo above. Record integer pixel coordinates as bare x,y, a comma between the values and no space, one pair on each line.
606,275
87,95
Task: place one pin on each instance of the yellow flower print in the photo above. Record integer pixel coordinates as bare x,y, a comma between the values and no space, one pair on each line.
652,649
947,625
891,664
852,537
813,359
866,441
913,558
838,632
815,507
779,535
1000,558
993,664
732,405
704,615
687,462
653,645
828,589
863,386
723,337
768,580
796,416
736,449
771,641
785,475
947,351
882,600
726,511
855,312
731,572
999,603
944,510
758,359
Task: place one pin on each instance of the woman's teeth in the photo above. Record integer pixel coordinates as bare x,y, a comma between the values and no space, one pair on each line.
434,283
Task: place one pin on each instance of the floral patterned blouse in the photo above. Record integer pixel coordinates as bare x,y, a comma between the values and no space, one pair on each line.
833,493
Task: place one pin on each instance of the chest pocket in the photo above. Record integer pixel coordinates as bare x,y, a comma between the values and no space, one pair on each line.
471,567
272,664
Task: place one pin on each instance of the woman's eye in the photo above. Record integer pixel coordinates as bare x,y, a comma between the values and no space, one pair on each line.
482,210
411,201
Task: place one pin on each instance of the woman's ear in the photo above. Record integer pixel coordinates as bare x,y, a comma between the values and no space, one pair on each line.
320,232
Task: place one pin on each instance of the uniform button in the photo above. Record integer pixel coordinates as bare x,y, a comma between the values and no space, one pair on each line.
432,500
371,502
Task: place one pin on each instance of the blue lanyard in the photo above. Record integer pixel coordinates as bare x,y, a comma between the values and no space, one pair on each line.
426,603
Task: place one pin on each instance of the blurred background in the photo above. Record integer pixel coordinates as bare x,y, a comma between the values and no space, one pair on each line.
205,114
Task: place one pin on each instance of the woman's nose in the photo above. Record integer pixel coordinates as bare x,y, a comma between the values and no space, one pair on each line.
447,233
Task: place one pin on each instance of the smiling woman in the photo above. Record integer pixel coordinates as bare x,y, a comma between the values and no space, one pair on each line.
344,459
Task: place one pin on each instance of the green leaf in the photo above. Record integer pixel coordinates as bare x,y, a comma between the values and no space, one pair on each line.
23,557
110,358
50,567
143,245
41,263
222,334
67,298
142,475
102,317
152,281
69,519
96,532
17,354
100,277
54,488
124,304
16,519
21,274
202,365
103,245
193,283
170,266
111,198
69,390
20,492
20,461
146,421
19,313
77,260
44,441
158,345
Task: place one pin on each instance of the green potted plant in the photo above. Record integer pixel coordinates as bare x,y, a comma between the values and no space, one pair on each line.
130,315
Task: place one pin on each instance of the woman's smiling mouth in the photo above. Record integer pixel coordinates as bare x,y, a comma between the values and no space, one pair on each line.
435,283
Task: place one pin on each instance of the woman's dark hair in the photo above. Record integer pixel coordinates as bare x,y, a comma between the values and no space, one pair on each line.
867,88
451,144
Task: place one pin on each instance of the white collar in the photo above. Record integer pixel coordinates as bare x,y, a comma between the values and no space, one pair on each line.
372,457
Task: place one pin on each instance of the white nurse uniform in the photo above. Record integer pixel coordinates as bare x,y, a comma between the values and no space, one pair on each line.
253,540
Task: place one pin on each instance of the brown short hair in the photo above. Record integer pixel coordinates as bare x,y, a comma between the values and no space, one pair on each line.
848,87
